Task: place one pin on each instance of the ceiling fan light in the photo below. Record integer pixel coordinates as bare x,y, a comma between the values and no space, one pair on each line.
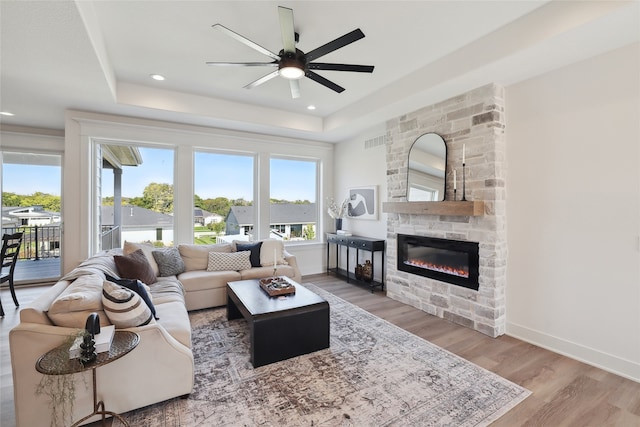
292,72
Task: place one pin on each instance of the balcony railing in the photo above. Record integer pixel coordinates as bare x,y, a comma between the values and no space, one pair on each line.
38,241
109,237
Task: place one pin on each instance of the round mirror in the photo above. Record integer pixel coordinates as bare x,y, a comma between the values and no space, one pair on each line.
426,177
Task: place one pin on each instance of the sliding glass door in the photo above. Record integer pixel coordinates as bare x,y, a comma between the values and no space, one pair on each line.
31,204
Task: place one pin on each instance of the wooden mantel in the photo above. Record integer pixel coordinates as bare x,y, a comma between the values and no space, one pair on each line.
466,208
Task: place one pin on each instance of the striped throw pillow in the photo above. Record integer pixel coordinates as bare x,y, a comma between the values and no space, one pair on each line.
124,307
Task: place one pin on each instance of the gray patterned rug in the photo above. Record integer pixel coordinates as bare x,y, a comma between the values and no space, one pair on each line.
374,374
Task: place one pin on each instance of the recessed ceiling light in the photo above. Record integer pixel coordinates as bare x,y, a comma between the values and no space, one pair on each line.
158,77
6,113
311,107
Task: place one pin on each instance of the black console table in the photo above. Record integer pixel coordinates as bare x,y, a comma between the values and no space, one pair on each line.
358,243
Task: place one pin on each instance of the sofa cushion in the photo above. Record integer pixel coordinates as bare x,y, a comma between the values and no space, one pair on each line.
196,257
101,263
202,280
272,249
82,297
135,266
146,248
124,307
169,262
167,289
138,287
234,261
254,248
174,318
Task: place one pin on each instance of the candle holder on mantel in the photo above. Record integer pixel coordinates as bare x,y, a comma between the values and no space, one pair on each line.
464,192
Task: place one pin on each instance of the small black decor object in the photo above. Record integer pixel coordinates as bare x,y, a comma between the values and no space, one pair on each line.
87,349
359,272
88,346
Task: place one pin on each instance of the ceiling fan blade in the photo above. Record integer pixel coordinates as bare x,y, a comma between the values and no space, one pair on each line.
336,44
328,83
246,41
295,88
341,67
287,30
244,64
262,80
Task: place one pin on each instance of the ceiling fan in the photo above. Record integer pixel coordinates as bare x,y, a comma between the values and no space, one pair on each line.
292,63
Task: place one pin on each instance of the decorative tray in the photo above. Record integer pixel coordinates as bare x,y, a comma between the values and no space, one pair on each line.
276,286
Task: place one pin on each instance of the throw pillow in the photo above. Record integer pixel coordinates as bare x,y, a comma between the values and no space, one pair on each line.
80,298
236,261
146,248
254,248
124,307
272,249
138,287
169,262
196,257
135,266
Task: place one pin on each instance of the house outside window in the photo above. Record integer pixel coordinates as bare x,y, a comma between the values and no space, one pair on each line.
293,195
222,182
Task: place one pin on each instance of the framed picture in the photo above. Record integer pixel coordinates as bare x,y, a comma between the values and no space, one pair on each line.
363,203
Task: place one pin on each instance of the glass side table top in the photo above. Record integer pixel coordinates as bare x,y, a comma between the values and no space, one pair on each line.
54,361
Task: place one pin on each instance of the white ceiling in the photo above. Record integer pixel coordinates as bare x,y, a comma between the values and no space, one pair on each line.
98,55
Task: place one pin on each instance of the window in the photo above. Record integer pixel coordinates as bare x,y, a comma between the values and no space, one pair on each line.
293,190
223,199
136,195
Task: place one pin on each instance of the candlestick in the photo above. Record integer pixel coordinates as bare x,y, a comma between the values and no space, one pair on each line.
464,190
275,263
454,195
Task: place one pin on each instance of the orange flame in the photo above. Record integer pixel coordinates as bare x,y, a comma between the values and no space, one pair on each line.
460,272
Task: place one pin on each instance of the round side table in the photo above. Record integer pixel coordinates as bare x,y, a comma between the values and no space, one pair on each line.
49,364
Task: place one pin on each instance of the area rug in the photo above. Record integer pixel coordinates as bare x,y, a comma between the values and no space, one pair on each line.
373,374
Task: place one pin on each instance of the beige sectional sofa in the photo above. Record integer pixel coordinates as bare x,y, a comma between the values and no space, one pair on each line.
161,366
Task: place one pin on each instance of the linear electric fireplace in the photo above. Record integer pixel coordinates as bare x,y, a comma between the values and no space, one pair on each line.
451,261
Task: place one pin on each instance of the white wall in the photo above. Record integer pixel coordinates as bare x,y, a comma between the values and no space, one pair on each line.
357,166
573,211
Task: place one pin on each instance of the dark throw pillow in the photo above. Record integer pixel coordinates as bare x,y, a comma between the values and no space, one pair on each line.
169,262
136,286
254,248
135,266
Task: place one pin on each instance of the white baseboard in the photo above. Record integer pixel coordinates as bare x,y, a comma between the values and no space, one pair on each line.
611,363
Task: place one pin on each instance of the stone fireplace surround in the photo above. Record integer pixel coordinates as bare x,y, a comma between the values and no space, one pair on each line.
476,119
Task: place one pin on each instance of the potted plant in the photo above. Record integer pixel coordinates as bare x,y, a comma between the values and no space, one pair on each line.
337,212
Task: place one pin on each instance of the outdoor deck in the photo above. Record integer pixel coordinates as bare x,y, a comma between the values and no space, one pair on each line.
34,271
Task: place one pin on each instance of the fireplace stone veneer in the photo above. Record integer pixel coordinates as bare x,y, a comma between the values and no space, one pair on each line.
475,119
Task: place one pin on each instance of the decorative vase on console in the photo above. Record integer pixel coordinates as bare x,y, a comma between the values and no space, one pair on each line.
337,212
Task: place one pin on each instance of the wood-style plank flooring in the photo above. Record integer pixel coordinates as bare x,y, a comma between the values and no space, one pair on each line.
565,392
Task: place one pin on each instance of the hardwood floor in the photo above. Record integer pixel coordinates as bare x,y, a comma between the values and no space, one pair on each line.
565,392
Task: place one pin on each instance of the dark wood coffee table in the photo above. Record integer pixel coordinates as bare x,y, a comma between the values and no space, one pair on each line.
280,327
